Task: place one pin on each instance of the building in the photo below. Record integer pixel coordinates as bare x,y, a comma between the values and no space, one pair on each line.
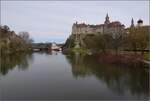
80,30
139,24
107,27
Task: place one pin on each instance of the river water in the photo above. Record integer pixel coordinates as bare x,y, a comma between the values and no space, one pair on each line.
53,75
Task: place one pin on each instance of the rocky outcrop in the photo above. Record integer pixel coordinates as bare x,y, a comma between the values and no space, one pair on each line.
10,42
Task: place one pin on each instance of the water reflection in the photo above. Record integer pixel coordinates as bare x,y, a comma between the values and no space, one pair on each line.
9,62
49,52
49,75
122,80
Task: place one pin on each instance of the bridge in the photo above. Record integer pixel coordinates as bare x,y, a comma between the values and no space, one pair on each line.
41,46
46,46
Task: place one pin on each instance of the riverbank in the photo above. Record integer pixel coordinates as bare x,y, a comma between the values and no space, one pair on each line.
126,58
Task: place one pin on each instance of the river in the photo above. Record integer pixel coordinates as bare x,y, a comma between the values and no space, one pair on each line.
53,75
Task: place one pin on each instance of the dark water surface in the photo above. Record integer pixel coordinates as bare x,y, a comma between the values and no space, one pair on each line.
43,76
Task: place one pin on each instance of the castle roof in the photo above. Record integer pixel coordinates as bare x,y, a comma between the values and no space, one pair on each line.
112,24
88,25
140,21
81,25
115,24
96,26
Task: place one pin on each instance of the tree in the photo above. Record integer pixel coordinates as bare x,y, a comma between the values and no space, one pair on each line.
143,37
6,28
26,37
70,42
117,41
90,42
138,38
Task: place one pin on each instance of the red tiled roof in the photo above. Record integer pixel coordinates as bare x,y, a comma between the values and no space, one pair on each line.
87,25
115,24
112,24
81,25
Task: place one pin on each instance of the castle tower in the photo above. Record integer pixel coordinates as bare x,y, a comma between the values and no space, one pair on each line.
139,22
107,19
132,23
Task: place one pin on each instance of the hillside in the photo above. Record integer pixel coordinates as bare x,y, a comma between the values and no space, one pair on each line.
10,42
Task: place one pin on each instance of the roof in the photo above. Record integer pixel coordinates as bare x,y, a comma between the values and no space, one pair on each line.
140,21
112,24
115,24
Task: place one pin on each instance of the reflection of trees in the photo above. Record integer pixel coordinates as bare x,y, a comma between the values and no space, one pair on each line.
119,79
47,52
9,62
78,67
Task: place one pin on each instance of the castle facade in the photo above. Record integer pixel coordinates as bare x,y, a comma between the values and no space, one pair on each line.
114,28
108,27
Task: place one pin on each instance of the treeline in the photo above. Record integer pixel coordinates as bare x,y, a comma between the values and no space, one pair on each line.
10,42
133,39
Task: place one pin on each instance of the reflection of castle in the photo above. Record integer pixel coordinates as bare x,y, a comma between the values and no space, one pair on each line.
78,66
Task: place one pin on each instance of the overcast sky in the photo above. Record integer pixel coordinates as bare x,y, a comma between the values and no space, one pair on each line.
49,21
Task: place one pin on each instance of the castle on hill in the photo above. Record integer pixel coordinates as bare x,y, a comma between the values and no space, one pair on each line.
107,27
114,28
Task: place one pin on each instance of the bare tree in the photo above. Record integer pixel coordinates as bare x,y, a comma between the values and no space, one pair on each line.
26,37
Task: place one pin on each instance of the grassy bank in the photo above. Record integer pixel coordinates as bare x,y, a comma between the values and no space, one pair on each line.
147,56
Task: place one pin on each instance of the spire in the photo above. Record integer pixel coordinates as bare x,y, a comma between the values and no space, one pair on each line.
107,19
76,22
132,23
107,15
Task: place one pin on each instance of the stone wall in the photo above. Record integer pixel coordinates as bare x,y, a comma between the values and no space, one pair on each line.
86,29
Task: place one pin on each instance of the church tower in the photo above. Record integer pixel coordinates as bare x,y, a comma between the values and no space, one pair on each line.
107,19
132,23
